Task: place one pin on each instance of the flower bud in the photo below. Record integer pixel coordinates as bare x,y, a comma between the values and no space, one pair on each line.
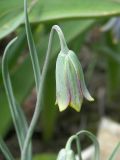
62,154
70,155
65,154
70,84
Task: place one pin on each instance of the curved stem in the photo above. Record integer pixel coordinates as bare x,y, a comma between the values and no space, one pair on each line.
63,44
93,138
69,142
78,148
41,86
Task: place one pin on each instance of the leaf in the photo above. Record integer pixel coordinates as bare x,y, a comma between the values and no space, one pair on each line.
5,150
20,94
115,152
45,10
15,51
11,12
17,114
32,48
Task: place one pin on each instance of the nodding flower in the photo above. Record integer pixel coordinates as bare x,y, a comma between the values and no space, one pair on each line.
65,154
70,84
114,25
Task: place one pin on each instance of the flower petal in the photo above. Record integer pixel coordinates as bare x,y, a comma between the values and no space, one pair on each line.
76,97
62,93
80,75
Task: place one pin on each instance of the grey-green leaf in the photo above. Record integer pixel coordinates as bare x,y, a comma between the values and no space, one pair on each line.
18,117
32,48
5,150
11,12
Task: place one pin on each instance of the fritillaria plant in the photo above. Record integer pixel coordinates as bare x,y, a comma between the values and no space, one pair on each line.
70,90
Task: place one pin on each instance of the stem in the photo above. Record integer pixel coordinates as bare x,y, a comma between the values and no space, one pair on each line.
69,142
94,140
78,148
41,87
63,44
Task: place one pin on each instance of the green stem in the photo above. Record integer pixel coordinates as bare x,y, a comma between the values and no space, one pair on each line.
63,44
41,86
78,148
94,140
69,142
69,145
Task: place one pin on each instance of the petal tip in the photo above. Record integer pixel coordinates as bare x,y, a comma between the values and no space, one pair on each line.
62,108
77,108
91,99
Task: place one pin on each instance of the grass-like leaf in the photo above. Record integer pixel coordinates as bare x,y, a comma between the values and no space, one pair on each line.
5,150
19,120
32,48
115,152
11,12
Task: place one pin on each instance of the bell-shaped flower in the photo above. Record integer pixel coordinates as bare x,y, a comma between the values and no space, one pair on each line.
70,84
65,154
114,25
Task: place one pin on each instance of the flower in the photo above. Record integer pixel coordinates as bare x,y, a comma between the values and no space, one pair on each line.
70,84
65,154
114,25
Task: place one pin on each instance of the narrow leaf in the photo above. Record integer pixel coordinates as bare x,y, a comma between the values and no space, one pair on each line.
19,120
115,152
5,150
32,48
11,12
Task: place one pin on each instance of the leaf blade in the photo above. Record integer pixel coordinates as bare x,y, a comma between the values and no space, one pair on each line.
44,11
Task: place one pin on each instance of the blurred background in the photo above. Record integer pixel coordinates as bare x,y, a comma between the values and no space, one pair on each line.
92,30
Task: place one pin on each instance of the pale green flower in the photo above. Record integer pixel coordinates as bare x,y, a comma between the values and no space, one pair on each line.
65,154
70,84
